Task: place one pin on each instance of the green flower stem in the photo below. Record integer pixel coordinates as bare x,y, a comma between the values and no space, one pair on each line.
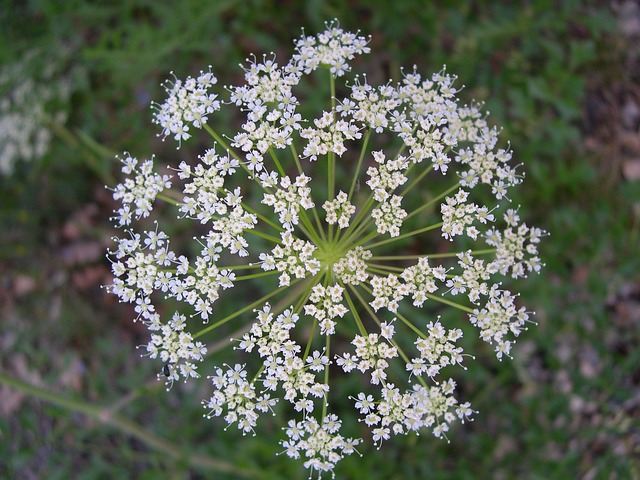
224,342
248,208
431,255
308,228
360,224
192,271
354,229
449,302
244,205
365,304
255,377
208,328
404,320
364,225
404,145
403,355
332,156
325,282
361,214
256,275
424,173
330,176
326,374
389,268
310,339
107,417
409,234
364,240
356,174
401,257
302,292
296,157
307,291
90,150
127,399
432,201
332,83
331,234
313,209
169,200
266,220
246,266
276,161
319,224
354,311
406,359
419,177
176,203
266,236
224,144
378,271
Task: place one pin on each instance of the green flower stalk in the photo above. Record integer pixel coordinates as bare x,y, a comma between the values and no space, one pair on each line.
342,257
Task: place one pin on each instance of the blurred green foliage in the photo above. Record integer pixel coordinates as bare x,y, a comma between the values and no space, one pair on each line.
531,62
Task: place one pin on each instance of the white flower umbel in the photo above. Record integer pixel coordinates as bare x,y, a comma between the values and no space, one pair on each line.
400,171
34,96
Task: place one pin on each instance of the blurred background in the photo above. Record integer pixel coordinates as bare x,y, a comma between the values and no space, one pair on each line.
562,77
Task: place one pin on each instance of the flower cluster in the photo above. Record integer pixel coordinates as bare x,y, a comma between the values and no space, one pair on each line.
325,304
366,271
172,345
293,257
284,367
320,443
339,210
189,102
422,407
287,200
138,192
371,354
352,268
34,94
